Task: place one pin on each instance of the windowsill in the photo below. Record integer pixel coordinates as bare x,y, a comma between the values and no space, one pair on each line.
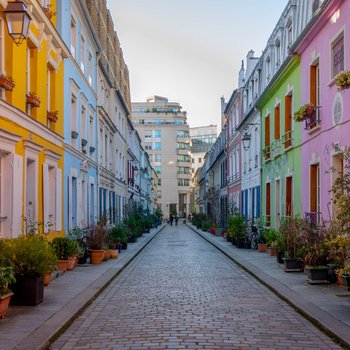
314,129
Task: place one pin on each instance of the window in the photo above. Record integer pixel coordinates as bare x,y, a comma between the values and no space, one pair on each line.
183,182
73,37
157,133
82,54
277,122
157,157
91,131
183,170
148,147
278,52
159,182
158,169
90,68
268,69
157,146
83,123
337,109
199,160
288,121
73,117
289,27
267,137
314,193
338,55
289,196
268,205
314,119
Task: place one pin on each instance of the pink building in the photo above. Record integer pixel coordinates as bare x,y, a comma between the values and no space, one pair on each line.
325,52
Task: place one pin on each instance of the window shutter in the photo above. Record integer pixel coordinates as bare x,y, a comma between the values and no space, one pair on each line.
17,196
79,202
46,196
59,199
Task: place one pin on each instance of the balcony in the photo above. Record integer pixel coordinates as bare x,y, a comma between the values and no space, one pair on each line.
232,180
267,153
185,139
276,148
313,120
183,151
287,139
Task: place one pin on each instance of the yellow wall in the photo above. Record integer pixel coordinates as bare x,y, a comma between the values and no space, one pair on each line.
15,63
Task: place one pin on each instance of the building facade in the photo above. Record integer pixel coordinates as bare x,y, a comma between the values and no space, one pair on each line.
31,126
80,122
324,50
164,133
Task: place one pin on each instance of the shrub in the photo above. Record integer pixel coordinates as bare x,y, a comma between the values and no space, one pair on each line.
237,226
64,247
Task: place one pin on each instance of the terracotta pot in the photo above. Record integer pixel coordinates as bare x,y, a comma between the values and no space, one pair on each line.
33,101
4,303
107,255
272,251
96,256
339,279
6,83
47,278
114,253
71,263
262,247
62,265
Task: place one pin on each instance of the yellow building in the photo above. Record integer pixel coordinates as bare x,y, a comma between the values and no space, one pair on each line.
31,124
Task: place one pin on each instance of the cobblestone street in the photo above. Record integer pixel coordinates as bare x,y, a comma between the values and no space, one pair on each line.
181,293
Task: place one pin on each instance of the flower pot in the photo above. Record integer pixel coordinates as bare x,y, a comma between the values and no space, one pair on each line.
52,116
71,263
293,265
4,303
114,253
33,101
96,256
62,265
47,278
317,275
6,83
28,291
272,251
262,247
107,255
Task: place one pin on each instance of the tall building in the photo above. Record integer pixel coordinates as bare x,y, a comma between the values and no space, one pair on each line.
202,140
164,133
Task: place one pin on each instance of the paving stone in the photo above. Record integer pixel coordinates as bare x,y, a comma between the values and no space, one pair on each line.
181,293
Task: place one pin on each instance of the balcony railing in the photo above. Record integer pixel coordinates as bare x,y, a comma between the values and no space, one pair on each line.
287,138
314,217
313,119
267,152
276,147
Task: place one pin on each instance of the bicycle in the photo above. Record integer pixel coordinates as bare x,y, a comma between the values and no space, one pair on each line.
255,237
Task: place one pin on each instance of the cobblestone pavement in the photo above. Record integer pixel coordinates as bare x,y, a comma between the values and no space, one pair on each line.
181,293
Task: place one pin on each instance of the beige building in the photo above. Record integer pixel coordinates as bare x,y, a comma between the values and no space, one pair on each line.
164,133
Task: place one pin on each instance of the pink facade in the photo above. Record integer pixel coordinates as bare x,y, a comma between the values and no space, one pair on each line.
325,51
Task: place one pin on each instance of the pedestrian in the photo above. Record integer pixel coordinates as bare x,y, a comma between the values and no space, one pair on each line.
171,220
176,220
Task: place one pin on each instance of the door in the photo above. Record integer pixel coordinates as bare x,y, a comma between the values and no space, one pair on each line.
278,204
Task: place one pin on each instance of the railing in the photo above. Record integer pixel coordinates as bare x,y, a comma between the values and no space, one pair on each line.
287,139
234,178
267,152
313,119
314,217
276,147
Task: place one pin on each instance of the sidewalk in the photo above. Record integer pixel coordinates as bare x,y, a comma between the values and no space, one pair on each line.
327,306
32,327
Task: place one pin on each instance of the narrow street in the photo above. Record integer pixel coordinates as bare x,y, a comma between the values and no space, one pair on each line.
181,293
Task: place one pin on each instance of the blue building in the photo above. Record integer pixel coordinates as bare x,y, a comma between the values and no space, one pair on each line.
80,119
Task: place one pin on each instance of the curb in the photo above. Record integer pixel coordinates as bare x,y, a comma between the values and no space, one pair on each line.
42,337
335,329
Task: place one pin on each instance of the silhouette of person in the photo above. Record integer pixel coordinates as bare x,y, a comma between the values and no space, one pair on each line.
171,220
176,220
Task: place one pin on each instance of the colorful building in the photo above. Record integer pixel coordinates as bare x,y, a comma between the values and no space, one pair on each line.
80,123
324,50
31,125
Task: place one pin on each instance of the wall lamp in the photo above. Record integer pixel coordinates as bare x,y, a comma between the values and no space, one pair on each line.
246,138
18,21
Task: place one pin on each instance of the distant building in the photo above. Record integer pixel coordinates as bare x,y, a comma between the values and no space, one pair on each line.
164,133
202,140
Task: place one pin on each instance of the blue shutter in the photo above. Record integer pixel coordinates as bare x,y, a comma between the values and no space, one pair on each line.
253,205
258,201
100,201
246,204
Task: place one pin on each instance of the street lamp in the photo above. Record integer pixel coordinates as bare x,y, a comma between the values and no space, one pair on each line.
18,21
246,141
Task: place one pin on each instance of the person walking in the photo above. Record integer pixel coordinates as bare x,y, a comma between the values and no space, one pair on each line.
176,220
171,220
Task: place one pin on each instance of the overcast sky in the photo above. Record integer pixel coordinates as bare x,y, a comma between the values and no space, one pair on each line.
191,50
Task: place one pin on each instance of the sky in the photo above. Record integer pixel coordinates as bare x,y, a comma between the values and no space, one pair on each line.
190,51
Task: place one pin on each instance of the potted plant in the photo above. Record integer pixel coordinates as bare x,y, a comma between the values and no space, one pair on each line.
345,274
290,229
63,248
315,250
281,247
343,80
237,229
271,237
6,278
52,116
31,257
262,245
33,99
304,112
116,236
6,82
97,237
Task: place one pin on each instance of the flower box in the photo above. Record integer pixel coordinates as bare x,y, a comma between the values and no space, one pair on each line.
33,100
304,112
343,80
52,116
7,83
